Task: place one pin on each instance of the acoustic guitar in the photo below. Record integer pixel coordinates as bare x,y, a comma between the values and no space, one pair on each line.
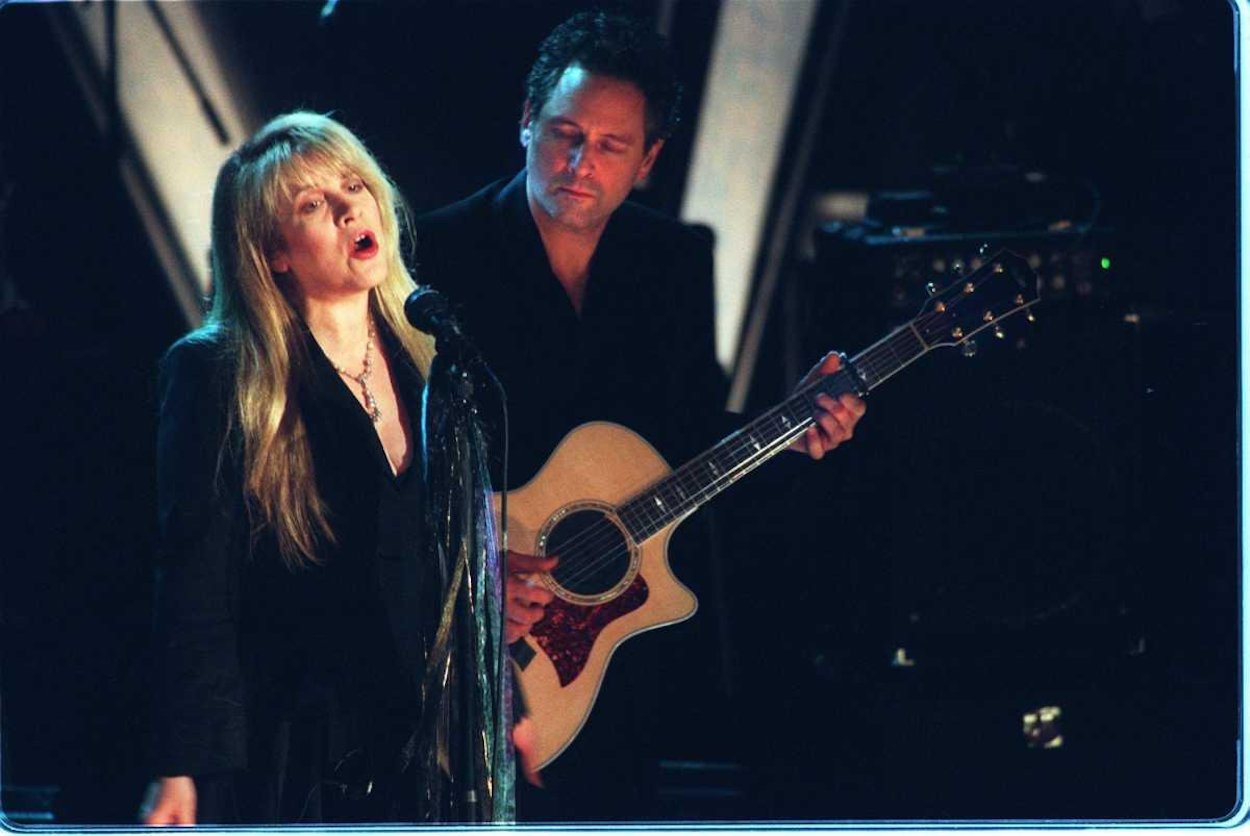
606,504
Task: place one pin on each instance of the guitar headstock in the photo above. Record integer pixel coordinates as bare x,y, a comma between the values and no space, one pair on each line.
1004,285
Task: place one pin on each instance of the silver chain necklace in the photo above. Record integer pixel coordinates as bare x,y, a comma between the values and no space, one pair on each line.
371,403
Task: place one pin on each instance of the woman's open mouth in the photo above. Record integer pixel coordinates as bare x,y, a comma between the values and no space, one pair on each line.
364,245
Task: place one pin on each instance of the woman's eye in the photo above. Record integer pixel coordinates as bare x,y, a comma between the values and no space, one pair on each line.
356,186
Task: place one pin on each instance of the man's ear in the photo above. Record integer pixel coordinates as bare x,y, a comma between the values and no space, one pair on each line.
648,161
527,131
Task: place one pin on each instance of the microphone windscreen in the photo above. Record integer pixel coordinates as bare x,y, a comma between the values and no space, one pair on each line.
427,309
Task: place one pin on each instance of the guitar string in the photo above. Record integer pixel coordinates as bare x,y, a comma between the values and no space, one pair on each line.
605,533
586,544
601,534
871,363
636,513
645,525
588,557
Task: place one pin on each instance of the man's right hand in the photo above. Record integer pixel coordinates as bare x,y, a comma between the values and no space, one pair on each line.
175,802
526,599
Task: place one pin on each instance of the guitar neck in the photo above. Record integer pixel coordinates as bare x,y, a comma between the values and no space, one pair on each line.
705,476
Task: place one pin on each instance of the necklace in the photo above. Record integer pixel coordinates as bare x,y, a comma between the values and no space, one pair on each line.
371,403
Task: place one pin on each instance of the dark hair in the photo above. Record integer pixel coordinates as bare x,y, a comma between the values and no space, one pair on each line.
612,45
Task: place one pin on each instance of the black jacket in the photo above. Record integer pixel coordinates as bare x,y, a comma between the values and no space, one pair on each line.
247,647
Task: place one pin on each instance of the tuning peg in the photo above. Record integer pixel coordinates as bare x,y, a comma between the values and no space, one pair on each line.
998,331
984,249
957,266
930,289
970,348
1030,317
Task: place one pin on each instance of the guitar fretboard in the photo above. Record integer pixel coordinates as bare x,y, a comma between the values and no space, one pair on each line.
706,475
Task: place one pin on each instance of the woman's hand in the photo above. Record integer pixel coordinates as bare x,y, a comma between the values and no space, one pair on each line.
175,802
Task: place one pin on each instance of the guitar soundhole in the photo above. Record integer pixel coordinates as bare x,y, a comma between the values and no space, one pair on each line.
595,557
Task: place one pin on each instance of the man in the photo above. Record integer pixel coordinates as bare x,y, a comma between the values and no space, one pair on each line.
588,307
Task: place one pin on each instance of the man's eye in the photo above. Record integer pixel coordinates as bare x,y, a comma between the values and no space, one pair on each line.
356,186
310,206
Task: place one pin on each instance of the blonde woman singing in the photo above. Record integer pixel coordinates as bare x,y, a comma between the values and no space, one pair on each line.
309,663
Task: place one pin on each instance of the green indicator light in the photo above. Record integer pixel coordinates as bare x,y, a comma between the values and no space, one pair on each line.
1106,263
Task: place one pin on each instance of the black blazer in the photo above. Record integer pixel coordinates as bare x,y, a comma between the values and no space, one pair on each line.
245,643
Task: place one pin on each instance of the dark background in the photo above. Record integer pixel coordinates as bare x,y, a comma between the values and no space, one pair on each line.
1055,525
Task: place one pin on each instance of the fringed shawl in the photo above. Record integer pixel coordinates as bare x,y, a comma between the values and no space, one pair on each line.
463,744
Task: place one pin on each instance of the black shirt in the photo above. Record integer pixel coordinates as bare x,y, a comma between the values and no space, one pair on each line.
641,353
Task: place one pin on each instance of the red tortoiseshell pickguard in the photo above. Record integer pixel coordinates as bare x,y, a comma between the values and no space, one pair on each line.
568,631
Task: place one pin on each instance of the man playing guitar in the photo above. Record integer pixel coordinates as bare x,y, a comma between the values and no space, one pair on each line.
590,307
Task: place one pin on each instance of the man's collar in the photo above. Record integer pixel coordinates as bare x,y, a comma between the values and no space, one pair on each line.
512,202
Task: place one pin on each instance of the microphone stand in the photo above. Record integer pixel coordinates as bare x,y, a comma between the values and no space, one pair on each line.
451,371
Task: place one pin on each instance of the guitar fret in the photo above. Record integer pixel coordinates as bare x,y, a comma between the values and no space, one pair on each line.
627,518
890,346
903,346
738,454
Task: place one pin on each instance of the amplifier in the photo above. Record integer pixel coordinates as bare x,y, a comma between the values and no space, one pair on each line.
877,277
1000,492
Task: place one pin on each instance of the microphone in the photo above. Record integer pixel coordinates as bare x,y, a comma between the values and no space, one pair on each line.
430,311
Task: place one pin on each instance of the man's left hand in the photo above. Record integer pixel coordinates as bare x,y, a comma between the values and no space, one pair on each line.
835,418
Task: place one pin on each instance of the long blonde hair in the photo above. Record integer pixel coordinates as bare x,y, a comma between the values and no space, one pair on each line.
262,330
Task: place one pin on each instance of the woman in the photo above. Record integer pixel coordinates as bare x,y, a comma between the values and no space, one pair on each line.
314,663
